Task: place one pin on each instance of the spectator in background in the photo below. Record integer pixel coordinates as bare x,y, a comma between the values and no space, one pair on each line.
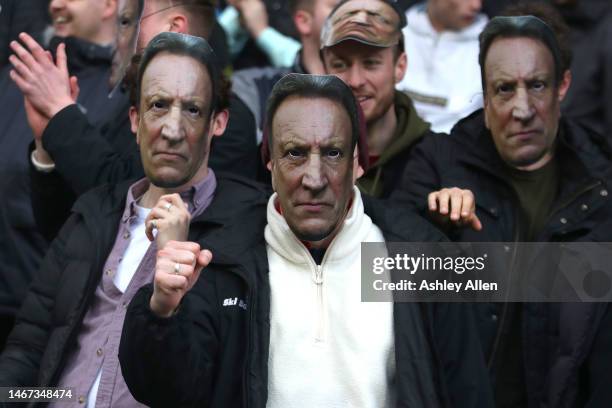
18,16
362,43
84,34
589,98
112,154
263,25
442,78
254,85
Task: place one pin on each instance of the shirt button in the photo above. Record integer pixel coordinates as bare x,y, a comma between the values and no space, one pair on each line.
584,207
109,272
563,220
81,399
99,352
494,317
126,235
604,193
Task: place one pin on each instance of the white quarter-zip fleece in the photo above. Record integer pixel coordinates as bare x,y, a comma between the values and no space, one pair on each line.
327,348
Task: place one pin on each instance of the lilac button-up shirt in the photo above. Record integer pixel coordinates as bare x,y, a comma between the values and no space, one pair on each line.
98,339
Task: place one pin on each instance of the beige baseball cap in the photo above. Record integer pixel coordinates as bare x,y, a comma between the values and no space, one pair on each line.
377,23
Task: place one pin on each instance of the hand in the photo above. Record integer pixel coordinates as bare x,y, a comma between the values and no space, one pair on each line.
177,269
47,85
454,206
171,218
254,16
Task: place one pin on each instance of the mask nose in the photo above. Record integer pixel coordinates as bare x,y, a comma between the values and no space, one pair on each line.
171,128
522,109
314,178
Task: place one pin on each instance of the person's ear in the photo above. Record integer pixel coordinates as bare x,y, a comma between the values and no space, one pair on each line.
485,102
110,9
400,67
179,24
134,120
303,22
564,85
219,122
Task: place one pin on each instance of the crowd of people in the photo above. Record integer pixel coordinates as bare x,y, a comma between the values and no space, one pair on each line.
187,185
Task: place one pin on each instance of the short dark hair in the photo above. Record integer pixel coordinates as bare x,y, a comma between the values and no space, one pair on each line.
191,46
294,5
313,86
201,14
516,27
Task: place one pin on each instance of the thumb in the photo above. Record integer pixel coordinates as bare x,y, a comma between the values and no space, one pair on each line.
476,224
204,259
74,88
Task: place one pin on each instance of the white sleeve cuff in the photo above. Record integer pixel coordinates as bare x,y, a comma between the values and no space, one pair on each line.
45,168
280,49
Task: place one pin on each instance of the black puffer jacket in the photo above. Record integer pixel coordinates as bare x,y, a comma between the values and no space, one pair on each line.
468,159
214,351
23,247
48,323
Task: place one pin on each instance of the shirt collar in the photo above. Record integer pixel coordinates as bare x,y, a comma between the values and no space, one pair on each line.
198,196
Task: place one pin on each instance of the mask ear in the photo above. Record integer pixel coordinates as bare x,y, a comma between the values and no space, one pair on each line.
219,122
270,166
134,120
565,84
357,169
485,103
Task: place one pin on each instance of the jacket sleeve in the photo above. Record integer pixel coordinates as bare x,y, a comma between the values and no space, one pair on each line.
51,200
607,78
171,362
421,175
465,378
598,385
25,346
84,157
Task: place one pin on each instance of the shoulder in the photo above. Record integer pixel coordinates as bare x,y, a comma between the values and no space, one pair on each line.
400,224
107,197
241,189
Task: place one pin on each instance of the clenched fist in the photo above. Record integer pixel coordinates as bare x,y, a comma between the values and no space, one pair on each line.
177,269
170,217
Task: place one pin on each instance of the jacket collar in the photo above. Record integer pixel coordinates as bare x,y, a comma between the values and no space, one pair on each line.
578,150
82,54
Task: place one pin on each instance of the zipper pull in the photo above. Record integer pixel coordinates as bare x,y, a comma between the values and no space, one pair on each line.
318,278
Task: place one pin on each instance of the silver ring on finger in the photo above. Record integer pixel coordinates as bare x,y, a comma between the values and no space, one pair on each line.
168,206
177,268
154,224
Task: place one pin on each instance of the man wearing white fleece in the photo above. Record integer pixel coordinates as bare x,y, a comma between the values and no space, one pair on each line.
443,77
281,323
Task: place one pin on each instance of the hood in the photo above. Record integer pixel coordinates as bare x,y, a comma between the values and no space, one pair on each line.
82,54
283,241
410,128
